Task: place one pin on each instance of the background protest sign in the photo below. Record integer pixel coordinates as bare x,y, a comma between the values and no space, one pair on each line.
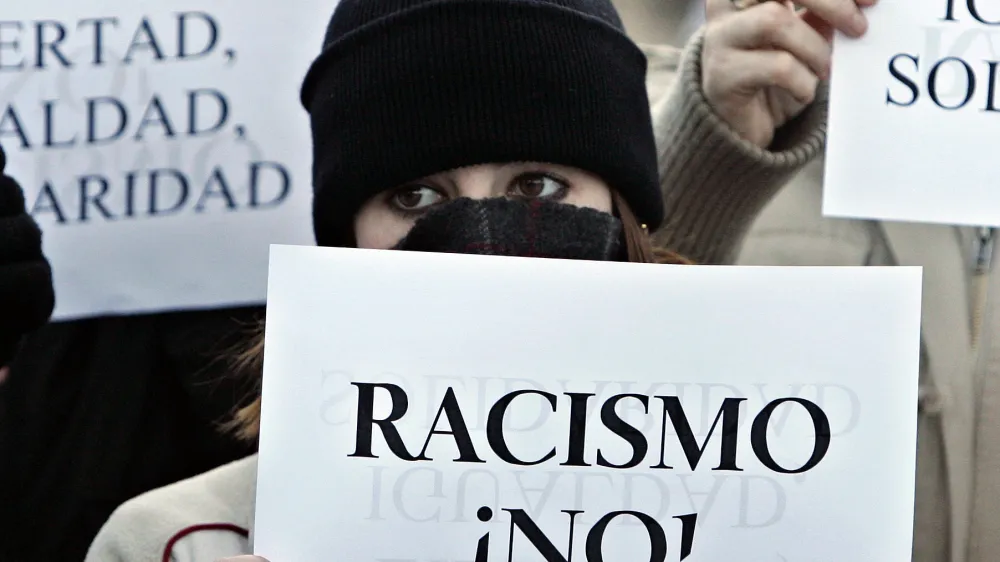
915,114
418,407
161,145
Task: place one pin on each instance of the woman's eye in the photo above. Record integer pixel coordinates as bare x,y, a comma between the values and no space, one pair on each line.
416,197
538,186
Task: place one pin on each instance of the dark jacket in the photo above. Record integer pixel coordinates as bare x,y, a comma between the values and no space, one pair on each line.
98,411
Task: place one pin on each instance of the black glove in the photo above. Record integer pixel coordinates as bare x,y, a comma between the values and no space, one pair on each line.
26,294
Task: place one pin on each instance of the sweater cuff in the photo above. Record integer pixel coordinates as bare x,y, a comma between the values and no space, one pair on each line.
714,181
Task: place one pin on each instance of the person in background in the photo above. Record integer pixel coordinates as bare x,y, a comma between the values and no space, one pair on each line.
548,134
957,510
96,411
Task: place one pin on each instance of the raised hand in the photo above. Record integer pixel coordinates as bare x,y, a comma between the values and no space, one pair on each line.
26,294
762,62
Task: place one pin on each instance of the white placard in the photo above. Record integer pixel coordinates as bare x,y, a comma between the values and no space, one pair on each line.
106,102
833,348
915,114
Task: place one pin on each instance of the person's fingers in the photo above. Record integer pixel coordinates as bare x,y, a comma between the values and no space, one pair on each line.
843,15
718,8
4,373
751,71
819,24
775,26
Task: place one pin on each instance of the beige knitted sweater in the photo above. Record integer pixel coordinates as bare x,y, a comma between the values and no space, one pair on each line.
714,183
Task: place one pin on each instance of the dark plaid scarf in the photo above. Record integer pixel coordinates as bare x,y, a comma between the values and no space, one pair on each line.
513,227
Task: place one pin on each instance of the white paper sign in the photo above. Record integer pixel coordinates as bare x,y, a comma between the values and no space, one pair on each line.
161,145
915,114
802,382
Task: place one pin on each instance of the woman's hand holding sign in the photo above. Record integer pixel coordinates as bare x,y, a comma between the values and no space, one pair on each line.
26,294
763,60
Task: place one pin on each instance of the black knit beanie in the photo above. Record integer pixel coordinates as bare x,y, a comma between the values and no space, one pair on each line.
408,88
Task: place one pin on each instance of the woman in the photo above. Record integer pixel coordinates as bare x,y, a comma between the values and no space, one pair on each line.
520,127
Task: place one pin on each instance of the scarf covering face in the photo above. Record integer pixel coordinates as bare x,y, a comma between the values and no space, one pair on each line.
515,227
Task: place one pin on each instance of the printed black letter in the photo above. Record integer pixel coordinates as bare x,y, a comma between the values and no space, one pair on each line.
618,426
366,419
458,430
821,429
657,538
542,544
494,427
898,75
730,414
